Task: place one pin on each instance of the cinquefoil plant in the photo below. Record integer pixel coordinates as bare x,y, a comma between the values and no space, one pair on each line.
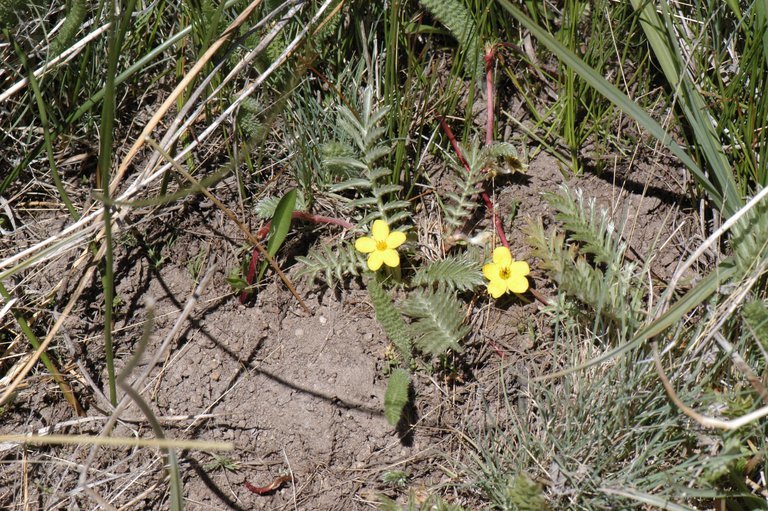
437,315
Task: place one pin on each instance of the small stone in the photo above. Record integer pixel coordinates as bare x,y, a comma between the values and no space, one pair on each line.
215,375
323,320
299,332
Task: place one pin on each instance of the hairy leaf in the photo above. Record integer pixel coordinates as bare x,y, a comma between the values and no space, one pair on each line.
439,320
456,272
396,396
390,320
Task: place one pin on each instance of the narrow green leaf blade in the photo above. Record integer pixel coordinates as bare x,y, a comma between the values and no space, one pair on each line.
281,224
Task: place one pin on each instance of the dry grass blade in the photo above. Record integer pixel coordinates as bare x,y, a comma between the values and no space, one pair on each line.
62,58
202,445
171,99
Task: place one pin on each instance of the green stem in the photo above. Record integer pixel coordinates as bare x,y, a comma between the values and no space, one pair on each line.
116,37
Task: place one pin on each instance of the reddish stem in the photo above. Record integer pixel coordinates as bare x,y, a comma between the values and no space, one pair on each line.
489,94
486,199
262,233
270,488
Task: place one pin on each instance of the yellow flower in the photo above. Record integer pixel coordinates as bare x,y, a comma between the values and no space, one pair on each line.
381,246
506,274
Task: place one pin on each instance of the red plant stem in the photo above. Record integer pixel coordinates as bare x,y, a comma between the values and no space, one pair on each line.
262,233
270,488
489,94
486,199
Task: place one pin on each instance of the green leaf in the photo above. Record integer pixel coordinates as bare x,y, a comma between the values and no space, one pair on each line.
281,224
439,320
390,320
396,396
457,272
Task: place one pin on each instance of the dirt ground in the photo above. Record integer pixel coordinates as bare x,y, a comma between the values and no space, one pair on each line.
299,394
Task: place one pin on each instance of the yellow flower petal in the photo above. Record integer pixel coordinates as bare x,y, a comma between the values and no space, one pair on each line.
519,268
502,257
395,239
491,271
497,288
517,284
365,245
391,257
375,260
380,230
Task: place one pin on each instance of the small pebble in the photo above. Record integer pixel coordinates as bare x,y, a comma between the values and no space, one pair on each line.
215,376
299,332
323,320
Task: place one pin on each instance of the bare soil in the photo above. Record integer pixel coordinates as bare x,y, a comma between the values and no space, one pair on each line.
298,394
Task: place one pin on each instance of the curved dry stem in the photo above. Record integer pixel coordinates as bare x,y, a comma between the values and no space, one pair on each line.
171,99
707,422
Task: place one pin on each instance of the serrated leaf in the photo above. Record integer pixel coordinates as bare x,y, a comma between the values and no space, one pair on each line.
396,204
332,265
350,184
364,201
459,273
390,320
281,224
396,396
439,320
387,189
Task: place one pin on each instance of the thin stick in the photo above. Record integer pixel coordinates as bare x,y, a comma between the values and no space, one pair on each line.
201,445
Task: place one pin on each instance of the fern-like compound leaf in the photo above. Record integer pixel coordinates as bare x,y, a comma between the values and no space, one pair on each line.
332,266
755,314
75,17
455,16
390,320
455,272
616,294
502,158
750,240
461,203
585,224
376,195
396,396
439,319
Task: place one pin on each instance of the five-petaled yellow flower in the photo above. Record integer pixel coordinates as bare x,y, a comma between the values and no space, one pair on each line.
381,246
506,274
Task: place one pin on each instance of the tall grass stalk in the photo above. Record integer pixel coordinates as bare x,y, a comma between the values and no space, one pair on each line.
119,26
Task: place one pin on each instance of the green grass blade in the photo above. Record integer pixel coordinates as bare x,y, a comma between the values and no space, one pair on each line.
672,63
646,498
48,138
618,98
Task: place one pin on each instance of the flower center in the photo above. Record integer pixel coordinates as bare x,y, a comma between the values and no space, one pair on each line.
504,273
381,244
